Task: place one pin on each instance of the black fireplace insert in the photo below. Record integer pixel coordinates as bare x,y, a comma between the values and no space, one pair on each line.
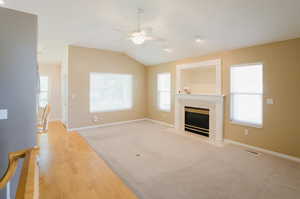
197,120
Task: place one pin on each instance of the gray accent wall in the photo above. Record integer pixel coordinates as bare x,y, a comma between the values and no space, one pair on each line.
18,80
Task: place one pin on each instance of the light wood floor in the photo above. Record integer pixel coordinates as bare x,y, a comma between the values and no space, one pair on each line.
70,169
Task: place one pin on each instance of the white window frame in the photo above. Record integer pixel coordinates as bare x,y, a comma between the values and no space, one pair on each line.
249,124
44,91
115,109
158,91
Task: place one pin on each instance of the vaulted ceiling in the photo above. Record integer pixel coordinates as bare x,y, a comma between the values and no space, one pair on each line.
103,24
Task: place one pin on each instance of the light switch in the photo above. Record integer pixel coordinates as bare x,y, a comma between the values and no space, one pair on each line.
3,114
269,101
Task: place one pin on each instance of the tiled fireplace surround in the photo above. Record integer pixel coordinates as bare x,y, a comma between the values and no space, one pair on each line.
212,102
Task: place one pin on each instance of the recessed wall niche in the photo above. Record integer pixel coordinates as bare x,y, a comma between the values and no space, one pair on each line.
199,78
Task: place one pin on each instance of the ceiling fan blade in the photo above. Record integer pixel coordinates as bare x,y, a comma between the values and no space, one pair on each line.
122,28
149,38
118,30
148,30
157,39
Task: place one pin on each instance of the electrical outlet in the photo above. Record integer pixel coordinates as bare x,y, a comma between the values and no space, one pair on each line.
269,101
3,114
73,96
246,131
95,118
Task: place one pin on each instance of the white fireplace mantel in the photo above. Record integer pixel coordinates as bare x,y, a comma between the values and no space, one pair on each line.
213,98
213,102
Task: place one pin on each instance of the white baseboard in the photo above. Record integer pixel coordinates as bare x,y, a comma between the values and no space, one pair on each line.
104,125
160,122
118,123
281,155
8,191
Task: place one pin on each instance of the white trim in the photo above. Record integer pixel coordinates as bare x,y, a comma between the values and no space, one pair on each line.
247,124
118,123
112,110
247,64
8,190
208,63
104,125
203,97
281,155
160,122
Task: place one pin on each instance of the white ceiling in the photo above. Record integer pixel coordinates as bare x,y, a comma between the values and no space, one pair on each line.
223,24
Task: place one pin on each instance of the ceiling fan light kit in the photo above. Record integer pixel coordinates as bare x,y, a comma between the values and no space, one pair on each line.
169,50
138,38
198,39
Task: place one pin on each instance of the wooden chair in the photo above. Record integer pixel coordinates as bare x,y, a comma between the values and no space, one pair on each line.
42,125
40,115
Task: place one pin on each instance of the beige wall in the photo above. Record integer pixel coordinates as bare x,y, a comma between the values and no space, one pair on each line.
199,80
82,61
281,77
281,130
53,71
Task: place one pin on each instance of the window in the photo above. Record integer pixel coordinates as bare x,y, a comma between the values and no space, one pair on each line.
44,89
164,91
110,92
246,94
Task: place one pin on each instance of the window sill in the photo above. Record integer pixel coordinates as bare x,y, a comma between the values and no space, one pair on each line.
246,124
163,110
113,110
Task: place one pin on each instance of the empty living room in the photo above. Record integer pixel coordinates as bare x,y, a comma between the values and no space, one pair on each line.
160,99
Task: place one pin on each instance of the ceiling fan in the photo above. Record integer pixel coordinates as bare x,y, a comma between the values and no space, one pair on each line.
140,36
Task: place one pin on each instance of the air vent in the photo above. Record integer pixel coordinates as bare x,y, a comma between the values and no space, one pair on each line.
253,152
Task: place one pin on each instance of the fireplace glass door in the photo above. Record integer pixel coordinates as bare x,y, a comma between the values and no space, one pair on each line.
197,120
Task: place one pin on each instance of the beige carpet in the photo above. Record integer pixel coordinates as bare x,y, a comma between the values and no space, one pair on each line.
160,164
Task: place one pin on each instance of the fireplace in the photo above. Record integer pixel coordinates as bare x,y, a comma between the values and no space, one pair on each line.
196,120
213,107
